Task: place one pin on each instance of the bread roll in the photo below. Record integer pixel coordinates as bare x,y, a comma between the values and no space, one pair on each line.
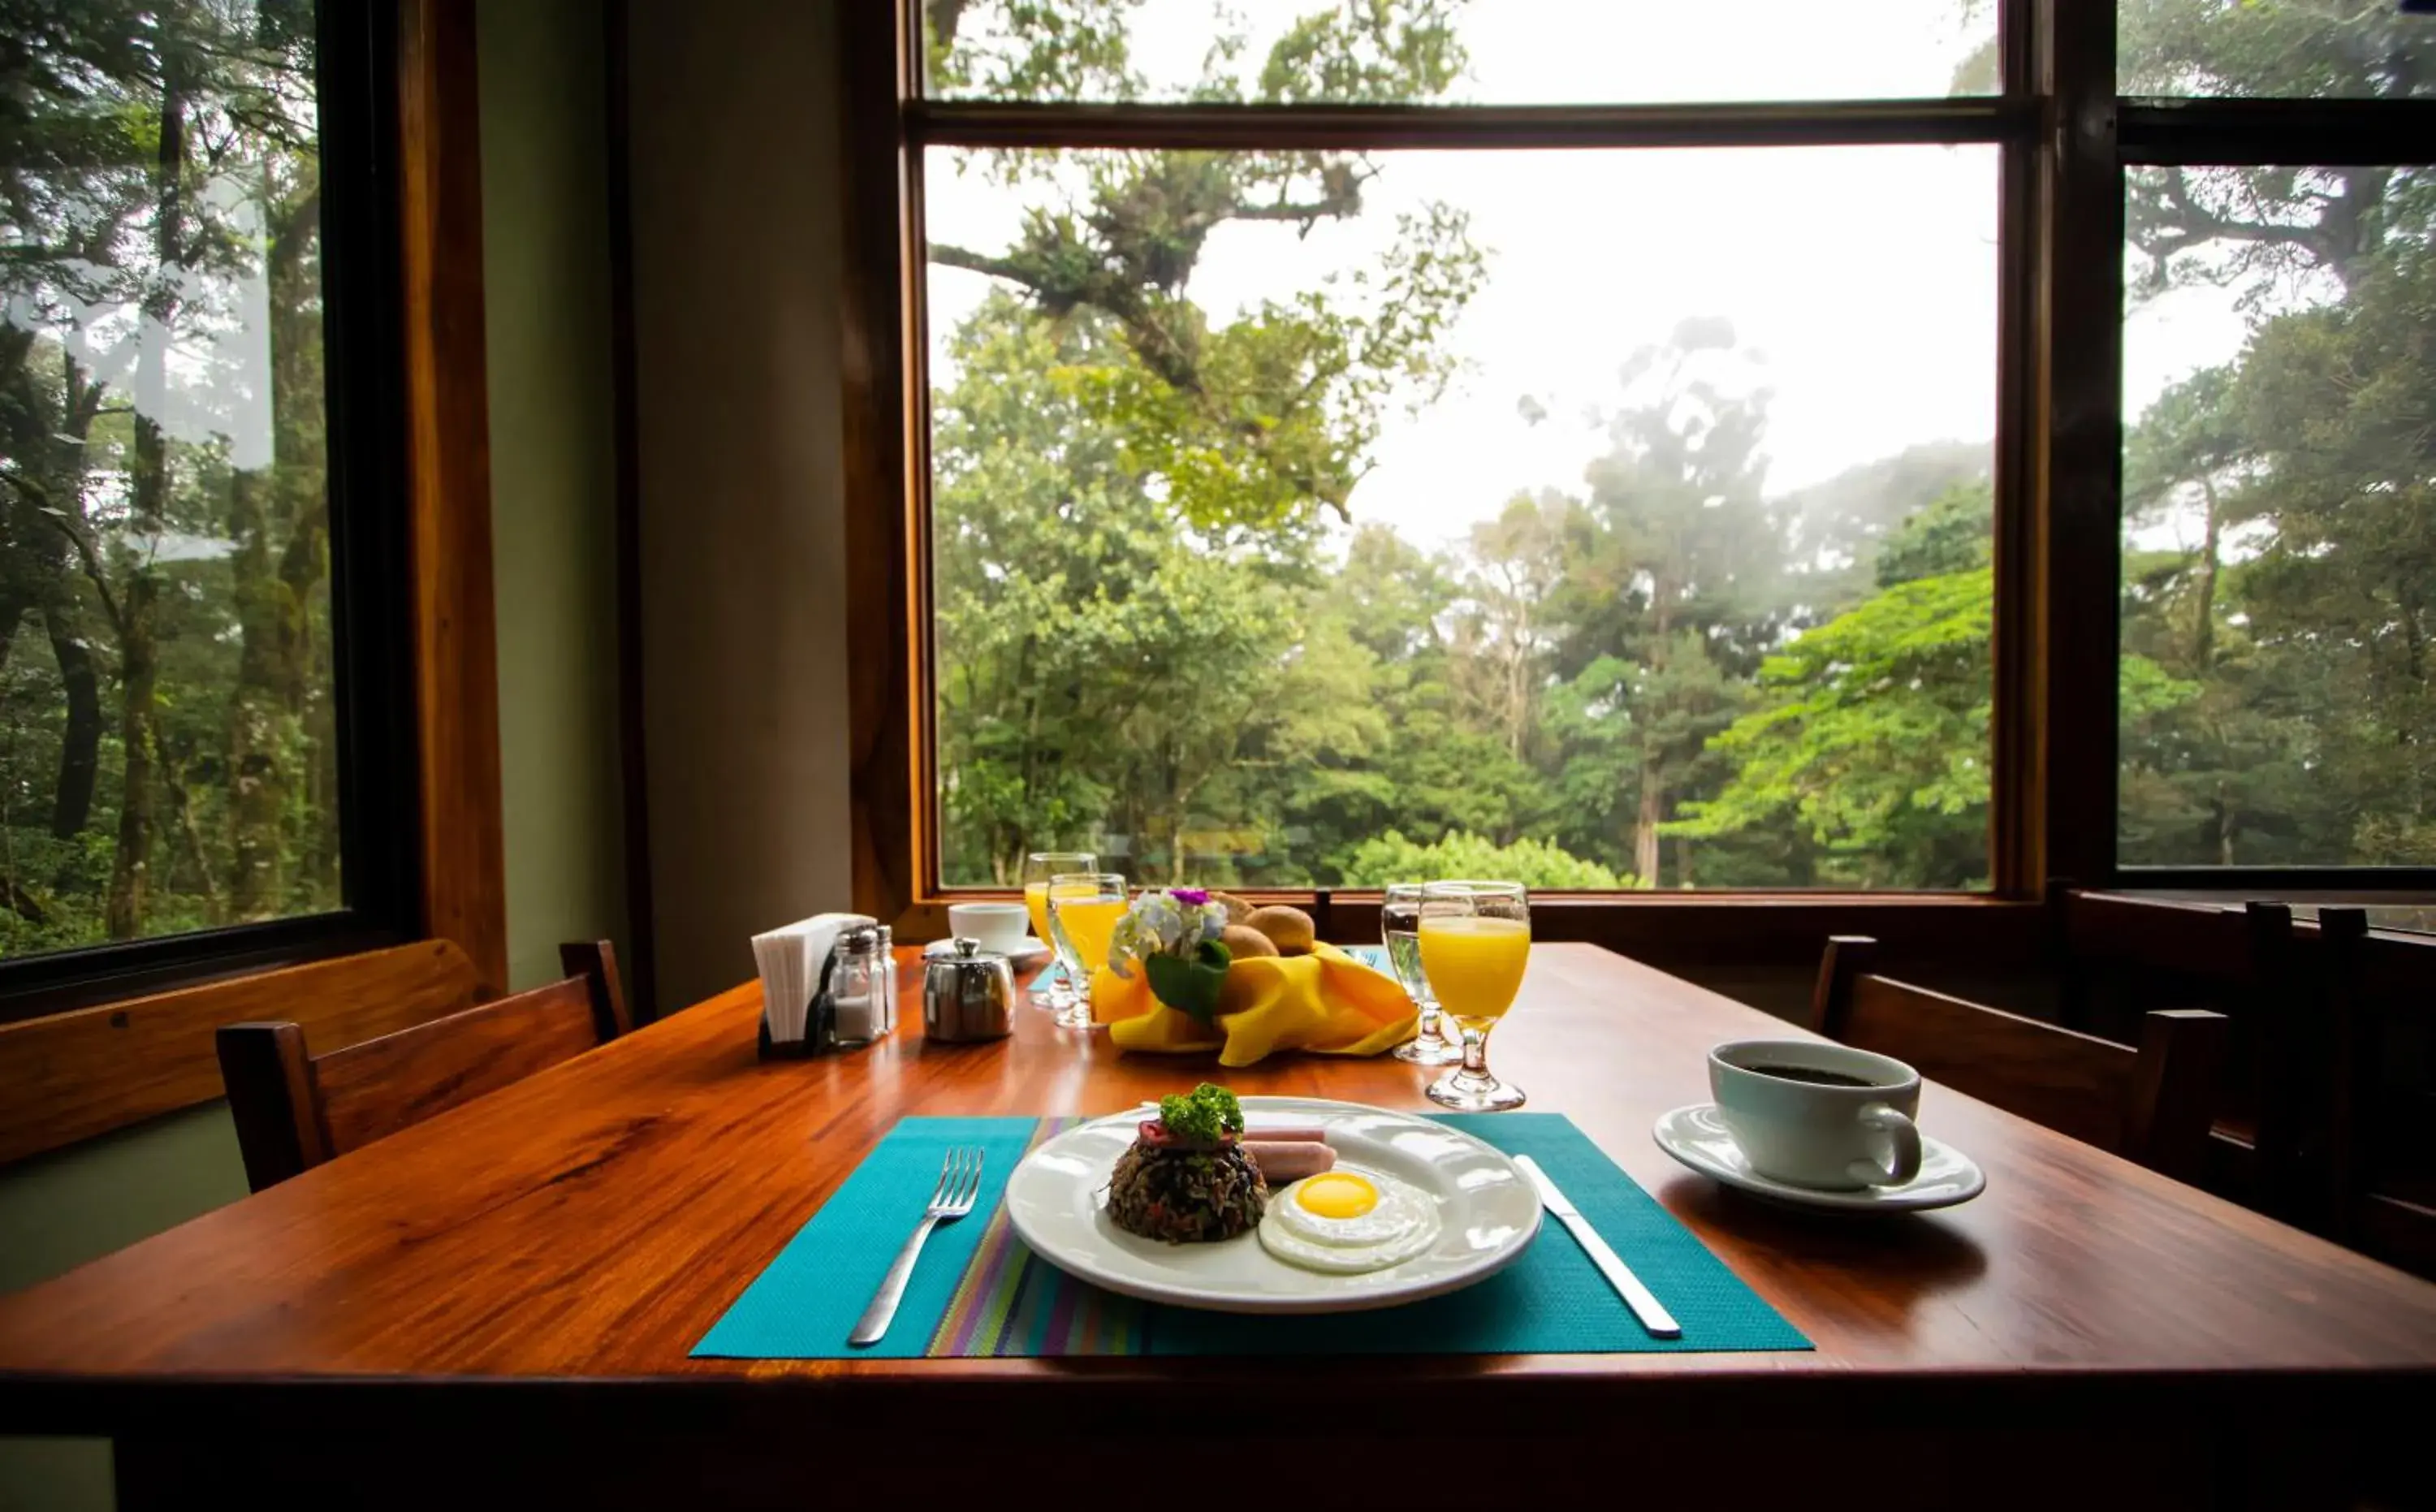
1237,910
1288,928
1241,942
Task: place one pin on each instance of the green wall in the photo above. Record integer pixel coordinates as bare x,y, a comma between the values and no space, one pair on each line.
736,149
546,290
547,286
61,1209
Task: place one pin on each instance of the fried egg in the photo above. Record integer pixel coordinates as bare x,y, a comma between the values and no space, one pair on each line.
1348,1221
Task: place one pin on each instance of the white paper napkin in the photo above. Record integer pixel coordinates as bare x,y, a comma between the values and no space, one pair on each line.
790,958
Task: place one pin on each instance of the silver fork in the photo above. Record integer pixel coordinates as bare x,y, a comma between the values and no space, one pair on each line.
959,1182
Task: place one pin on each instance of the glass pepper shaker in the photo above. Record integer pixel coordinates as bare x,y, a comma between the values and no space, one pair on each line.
888,960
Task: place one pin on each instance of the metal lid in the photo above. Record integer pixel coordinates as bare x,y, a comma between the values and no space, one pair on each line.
861,939
963,951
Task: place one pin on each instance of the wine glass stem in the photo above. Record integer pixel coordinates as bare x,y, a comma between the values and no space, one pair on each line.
1475,1052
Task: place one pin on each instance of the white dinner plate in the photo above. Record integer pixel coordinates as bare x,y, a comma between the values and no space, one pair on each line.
1696,1135
1489,1211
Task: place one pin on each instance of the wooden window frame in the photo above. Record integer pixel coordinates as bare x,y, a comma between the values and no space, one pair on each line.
418,691
2065,137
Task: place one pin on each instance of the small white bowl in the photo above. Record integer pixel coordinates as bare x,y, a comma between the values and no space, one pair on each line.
998,927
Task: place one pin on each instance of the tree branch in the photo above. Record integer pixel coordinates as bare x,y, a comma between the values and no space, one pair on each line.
2195,224
1340,198
943,16
89,555
946,254
22,903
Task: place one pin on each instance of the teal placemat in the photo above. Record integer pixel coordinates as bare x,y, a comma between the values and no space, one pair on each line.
979,1292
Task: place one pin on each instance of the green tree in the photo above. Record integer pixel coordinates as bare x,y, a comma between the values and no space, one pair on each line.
1836,527
1269,415
1109,670
158,177
2296,473
1138,638
1670,596
1875,743
2342,595
1391,858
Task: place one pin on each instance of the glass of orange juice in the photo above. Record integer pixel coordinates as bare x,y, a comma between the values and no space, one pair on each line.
1083,908
1053,990
1475,941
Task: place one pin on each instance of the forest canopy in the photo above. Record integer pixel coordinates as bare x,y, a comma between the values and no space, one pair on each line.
1166,627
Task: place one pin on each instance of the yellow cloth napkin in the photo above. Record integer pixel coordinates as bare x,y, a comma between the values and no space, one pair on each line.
1326,1001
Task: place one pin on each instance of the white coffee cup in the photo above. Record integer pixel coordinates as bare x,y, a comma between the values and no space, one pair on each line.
998,927
1819,1115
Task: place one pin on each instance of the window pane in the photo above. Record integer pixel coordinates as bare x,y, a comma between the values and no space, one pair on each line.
2343,49
2279,592
166,756
1505,52
1597,518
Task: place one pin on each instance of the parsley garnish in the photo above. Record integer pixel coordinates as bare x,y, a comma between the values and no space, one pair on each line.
1205,1116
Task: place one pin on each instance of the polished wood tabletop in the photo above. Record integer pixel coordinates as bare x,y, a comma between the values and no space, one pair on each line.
580,1232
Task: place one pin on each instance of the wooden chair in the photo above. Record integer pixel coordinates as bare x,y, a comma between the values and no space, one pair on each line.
2120,956
2368,1160
2153,1104
2210,955
295,1110
70,1076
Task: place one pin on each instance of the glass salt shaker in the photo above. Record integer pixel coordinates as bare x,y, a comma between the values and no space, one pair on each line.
887,961
860,986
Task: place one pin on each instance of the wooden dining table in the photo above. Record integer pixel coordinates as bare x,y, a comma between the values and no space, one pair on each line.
501,1300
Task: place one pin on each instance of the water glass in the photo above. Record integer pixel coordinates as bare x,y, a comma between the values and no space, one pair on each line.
1400,924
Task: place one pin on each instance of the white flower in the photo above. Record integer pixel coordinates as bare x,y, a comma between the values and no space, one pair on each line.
1158,923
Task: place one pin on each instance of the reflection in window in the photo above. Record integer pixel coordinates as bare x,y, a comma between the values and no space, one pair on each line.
168,755
2278,683
1594,518
2290,50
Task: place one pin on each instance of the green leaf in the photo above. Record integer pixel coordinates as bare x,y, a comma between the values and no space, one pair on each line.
1191,984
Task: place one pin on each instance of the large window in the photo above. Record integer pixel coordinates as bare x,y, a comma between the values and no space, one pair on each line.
2278,695
181,721
1608,517
1638,446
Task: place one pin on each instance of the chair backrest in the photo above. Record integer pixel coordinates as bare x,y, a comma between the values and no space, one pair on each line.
2213,943
74,1075
2368,1162
2188,954
295,1110
2119,956
2153,1104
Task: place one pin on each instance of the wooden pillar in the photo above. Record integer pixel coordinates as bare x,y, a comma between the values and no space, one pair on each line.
448,483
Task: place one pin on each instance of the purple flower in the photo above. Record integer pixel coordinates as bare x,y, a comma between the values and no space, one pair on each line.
1195,896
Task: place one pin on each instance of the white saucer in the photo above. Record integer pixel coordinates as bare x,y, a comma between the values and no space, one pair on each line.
1696,1135
1022,955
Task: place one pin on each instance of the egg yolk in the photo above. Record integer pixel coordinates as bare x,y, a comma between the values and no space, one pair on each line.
1337,1194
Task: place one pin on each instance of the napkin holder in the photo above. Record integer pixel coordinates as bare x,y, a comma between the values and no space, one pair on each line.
820,1024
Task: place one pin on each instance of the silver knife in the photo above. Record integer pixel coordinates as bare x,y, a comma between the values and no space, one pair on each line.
1653,1316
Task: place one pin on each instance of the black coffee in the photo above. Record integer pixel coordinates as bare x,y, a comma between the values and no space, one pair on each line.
1811,1074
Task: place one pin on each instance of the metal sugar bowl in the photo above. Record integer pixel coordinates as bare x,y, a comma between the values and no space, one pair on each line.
968,994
